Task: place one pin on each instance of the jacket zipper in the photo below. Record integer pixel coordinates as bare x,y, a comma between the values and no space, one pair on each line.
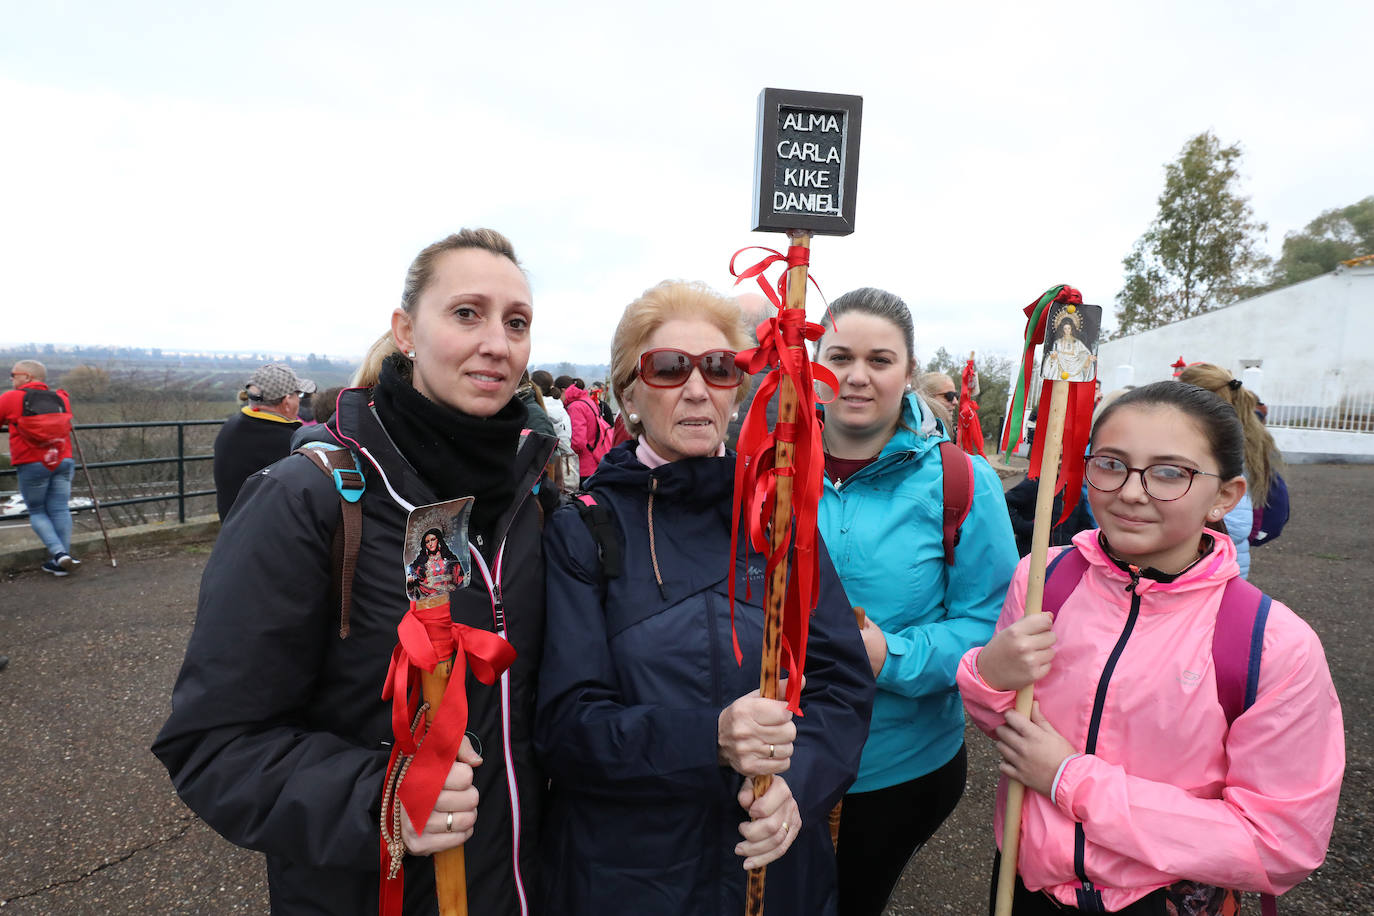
1089,898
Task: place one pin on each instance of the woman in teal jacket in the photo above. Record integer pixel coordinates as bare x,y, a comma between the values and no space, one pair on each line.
881,517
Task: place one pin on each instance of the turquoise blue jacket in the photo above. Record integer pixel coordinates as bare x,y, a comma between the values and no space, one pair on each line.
882,528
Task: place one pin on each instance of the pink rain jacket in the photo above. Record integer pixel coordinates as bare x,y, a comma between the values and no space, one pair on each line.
1171,793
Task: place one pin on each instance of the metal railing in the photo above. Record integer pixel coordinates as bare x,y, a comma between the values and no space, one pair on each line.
180,458
1320,407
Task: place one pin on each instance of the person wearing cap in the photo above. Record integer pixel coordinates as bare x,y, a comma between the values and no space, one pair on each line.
260,433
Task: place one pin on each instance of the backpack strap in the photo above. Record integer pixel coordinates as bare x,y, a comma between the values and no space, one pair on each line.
1237,644
341,466
1062,576
601,524
957,469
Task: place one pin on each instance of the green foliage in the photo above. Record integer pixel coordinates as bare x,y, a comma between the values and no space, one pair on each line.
1201,251
942,361
1336,235
994,380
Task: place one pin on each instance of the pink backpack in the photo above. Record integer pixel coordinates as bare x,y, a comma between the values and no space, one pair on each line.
602,437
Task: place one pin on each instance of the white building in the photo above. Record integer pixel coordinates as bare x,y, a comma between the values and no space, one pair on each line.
1307,350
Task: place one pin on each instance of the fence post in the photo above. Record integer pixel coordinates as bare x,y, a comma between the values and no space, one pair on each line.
181,473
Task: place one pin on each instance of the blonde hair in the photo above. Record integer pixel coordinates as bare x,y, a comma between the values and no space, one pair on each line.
671,300
929,387
1262,456
418,275
34,368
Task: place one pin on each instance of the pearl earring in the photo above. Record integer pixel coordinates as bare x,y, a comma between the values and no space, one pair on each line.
735,415
634,418
410,354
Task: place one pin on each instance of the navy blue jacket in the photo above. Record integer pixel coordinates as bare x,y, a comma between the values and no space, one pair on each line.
642,817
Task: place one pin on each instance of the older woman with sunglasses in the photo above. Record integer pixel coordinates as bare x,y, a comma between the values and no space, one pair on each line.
648,728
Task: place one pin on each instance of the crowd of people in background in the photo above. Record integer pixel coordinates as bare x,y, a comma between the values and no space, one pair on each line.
610,768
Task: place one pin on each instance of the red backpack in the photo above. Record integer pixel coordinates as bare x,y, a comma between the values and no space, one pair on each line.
45,423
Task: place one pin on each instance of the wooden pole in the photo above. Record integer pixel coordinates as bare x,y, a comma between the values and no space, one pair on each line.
778,532
1053,443
450,865
95,503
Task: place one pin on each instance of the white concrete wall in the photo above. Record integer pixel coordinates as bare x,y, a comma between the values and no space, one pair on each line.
1315,341
1301,446
1316,335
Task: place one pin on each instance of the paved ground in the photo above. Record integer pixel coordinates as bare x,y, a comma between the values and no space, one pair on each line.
89,823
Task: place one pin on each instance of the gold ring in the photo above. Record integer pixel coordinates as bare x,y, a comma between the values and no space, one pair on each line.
785,827
771,748
448,823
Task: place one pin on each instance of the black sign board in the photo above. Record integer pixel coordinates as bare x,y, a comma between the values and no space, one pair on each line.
806,165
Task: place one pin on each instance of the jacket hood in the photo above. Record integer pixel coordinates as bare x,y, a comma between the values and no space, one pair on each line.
918,431
1215,568
572,393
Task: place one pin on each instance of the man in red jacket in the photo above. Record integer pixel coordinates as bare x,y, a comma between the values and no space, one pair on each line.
40,424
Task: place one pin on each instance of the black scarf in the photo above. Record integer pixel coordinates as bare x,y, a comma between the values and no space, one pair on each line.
456,453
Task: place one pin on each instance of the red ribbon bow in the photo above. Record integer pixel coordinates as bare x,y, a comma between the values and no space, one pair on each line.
426,637
782,346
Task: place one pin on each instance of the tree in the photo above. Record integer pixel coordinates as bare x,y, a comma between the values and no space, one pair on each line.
86,382
942,361
1202,250
1336,235
994,380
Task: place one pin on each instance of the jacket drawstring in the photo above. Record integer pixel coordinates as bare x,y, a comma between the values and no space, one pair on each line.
653,552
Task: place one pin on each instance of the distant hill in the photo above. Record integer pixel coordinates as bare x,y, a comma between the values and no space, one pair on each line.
106,373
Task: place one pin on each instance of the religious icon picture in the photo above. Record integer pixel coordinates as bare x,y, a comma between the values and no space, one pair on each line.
1071,333
436,549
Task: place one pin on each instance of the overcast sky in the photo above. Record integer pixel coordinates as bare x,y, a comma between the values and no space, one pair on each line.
258,177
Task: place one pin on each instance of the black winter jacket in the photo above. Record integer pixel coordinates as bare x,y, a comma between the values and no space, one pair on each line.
245,444
279,737
642,817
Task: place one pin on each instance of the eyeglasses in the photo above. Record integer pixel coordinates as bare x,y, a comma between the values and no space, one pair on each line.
667,367
1164,482
950,396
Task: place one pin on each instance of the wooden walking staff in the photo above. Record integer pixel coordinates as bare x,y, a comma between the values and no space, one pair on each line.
805,180
431,647
778,535
1066,405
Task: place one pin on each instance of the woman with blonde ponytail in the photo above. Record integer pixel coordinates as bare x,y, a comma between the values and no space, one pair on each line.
1262,457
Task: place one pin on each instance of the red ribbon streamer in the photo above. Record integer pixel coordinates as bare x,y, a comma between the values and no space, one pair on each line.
970,427
426,637
1078,427
782,347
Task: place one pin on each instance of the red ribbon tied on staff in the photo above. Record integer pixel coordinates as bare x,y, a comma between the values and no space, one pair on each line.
426,637
782,346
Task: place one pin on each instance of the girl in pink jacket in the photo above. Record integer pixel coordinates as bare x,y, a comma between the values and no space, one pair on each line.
1143,798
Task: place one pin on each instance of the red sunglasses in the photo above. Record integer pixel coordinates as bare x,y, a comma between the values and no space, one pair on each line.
668,367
